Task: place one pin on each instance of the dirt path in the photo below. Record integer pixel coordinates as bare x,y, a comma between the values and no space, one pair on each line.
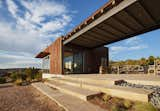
25,98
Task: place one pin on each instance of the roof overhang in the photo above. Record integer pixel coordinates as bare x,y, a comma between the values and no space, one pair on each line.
42,54
121,20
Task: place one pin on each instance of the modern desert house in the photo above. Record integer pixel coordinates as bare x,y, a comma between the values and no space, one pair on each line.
82,50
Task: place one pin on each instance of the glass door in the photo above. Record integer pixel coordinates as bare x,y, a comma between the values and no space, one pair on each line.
68,63
78,63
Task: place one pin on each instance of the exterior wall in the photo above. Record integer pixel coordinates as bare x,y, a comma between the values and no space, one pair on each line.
56,57
55,50
91,57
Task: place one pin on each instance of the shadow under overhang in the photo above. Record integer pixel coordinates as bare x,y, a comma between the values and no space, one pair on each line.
128,19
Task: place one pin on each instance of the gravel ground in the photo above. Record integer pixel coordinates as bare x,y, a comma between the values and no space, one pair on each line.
25,98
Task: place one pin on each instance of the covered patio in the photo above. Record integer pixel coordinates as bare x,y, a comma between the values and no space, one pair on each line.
82,49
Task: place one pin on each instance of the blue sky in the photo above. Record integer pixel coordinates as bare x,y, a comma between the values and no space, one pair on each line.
28,26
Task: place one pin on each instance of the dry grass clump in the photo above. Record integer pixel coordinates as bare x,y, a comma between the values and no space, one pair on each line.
138,106
117,104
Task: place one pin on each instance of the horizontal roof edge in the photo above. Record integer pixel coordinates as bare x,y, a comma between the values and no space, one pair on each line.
110,4
42,54
45,52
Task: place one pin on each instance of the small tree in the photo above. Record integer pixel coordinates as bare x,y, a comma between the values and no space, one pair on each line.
32,73
28,72
14,76
143,62
151,60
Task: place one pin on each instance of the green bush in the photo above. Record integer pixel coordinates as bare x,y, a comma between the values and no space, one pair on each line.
28,75
2,80
38,76
14,76
33,74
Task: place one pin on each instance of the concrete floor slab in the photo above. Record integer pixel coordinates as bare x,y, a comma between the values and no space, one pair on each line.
110,78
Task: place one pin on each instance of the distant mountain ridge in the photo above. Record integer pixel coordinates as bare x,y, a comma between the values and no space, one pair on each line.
11,70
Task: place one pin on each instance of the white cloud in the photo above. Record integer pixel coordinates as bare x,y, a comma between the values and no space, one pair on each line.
1,3
139,47
19,40
36,15
30,34
21,60
12,7
117,48
133,41
34,28
57,24
131,44
43,8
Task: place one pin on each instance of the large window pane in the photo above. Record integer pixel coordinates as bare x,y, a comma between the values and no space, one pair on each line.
46,64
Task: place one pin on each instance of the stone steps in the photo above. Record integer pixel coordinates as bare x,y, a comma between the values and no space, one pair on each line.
117,91
68,102
107,81
110,79
83,94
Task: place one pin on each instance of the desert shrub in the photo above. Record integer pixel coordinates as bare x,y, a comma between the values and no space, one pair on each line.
127,103
28,79
26,76
29,74
114,108
106,98
23,76
38,76
18,81
32,74
13,76
144,107
2,80
117,107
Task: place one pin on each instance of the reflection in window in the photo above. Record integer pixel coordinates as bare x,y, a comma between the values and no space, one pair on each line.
68,61
73,62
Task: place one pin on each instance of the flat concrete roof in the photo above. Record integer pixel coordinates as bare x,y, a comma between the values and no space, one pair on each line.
115,21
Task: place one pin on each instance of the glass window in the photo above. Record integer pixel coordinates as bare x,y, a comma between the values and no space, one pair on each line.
46,64
73,62
68,63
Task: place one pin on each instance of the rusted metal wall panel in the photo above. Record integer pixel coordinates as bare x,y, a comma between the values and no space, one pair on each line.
55,50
